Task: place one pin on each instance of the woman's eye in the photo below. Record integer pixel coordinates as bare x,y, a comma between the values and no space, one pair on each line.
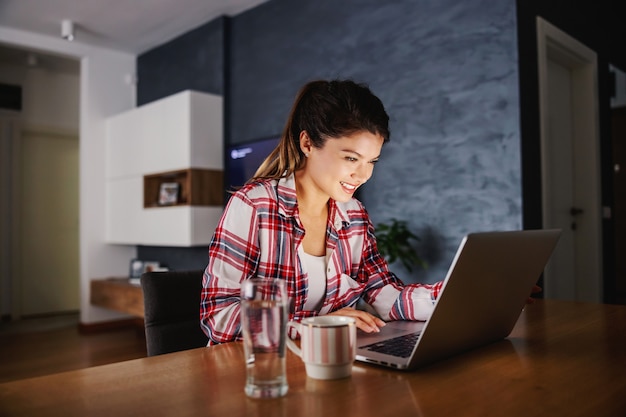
351,159
374,162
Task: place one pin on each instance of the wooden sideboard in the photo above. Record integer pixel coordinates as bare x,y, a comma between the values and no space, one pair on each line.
117,294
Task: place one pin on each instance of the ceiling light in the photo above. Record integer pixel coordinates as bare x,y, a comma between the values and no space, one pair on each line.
67,30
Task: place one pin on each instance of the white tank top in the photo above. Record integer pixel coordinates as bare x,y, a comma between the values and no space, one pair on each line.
315,267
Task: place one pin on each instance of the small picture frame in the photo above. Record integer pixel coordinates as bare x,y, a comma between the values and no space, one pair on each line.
168,193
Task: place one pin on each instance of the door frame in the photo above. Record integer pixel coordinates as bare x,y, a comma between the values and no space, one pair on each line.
10,148
557,46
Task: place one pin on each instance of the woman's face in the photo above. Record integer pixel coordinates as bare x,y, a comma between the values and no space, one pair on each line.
342,164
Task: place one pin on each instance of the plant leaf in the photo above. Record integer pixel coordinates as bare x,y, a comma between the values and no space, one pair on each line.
394,243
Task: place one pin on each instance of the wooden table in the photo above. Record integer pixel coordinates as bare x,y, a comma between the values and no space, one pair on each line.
562,359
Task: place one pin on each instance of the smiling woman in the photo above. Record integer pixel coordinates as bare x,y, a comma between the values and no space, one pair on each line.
297,219
339,167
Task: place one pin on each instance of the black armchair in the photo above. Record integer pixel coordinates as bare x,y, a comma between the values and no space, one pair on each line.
172,311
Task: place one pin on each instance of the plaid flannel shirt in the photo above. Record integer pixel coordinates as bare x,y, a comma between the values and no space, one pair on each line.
259,235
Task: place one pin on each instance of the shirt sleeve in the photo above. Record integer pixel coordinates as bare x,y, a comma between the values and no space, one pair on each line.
415,302
233,257
387,294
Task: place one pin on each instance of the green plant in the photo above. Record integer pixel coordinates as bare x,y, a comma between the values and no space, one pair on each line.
394,243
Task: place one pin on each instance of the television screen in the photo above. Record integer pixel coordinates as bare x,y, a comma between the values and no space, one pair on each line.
243,159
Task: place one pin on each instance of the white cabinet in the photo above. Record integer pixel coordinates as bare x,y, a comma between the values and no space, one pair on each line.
181,225
123,147
124,199
178,138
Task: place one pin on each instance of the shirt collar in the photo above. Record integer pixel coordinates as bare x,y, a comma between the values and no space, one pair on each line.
288,204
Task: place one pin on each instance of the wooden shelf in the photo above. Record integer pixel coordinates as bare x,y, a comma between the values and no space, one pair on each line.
117,294
197,187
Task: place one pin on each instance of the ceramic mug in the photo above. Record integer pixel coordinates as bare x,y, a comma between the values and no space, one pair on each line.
327,345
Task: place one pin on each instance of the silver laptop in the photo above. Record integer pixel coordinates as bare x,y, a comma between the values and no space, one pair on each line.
484,292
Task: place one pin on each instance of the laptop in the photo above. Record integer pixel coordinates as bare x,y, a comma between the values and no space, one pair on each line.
484,292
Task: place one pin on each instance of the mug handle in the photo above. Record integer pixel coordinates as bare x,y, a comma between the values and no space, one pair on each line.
290,343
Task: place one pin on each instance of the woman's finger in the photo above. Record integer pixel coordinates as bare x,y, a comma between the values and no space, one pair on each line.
364,320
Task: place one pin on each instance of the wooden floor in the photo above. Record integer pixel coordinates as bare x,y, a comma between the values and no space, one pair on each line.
40,346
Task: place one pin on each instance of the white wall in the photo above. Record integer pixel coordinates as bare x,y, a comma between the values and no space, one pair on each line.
104,92
50,109
49,99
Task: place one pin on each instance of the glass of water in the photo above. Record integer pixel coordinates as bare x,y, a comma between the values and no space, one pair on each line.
264,317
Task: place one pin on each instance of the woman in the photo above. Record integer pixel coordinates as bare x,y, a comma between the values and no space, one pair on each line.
296,219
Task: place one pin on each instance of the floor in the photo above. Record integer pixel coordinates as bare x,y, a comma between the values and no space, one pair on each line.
40,346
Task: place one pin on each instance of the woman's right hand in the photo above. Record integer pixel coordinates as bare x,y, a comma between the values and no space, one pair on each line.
364,320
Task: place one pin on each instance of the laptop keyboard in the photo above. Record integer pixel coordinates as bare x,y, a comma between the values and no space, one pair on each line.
401,346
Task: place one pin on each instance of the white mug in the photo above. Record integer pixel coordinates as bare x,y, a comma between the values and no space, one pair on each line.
327,346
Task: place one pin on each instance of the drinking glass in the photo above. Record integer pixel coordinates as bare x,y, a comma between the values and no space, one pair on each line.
264,316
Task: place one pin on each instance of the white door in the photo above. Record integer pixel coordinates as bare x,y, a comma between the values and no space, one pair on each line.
570,164
48,204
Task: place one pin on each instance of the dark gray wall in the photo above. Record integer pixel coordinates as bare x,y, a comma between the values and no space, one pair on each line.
447,73
194,61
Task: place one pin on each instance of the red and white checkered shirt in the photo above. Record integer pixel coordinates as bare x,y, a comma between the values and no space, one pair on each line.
259,235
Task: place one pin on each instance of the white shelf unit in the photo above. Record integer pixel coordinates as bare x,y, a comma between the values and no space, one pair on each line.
179,133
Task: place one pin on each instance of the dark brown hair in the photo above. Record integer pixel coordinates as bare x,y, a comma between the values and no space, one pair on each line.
324,109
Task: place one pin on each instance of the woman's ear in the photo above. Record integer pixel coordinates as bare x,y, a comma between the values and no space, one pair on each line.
305,143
